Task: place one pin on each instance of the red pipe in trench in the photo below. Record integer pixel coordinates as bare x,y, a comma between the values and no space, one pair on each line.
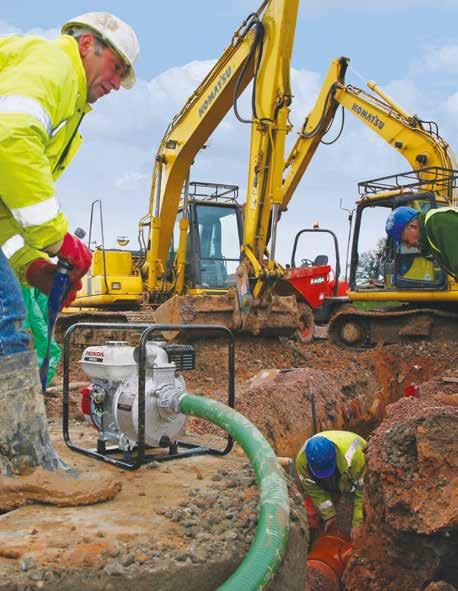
326,562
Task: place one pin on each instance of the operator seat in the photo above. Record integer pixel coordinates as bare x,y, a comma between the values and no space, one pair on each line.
320,260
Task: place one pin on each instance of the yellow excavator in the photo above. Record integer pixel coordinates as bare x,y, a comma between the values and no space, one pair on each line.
429,295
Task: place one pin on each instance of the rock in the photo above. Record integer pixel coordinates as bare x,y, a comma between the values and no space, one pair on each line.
115,570
27,564
127,560
411,500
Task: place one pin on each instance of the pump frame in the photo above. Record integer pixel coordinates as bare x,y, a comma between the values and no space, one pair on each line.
139,456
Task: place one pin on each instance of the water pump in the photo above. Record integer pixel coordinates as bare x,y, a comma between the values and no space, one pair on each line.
111,402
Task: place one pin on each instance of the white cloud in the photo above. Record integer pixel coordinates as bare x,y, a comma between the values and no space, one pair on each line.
177,84
127,179
9,29
441,59
405,94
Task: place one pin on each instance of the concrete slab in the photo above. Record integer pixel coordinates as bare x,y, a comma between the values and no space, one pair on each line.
181,524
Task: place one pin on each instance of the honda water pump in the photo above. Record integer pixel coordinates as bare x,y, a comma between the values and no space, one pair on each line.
111,402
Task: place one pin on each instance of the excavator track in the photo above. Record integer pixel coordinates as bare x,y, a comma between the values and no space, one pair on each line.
352,327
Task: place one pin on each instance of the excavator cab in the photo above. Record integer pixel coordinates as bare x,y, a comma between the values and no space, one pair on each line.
216,245
214,237
395,267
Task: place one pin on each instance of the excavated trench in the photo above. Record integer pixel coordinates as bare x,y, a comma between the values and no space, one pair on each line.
288,391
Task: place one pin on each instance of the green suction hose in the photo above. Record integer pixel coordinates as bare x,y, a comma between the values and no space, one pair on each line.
267,549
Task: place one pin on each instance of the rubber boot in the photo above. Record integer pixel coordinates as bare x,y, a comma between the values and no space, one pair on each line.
24,439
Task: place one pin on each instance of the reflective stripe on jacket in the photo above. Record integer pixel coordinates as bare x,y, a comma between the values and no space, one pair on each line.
350,465
43,97
439,236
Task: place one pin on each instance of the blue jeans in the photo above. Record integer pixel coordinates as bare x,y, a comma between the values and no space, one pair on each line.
13,338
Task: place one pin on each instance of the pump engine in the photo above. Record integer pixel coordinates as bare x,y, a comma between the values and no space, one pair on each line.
111,402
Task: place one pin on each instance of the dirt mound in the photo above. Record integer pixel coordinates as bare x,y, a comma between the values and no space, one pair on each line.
410,536
280,404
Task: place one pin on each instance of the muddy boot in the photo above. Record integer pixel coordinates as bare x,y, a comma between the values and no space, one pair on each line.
24,439
30,469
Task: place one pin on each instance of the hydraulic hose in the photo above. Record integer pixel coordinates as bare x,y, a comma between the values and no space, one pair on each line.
268,546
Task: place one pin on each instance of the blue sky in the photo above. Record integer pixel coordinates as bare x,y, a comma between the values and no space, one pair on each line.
409,47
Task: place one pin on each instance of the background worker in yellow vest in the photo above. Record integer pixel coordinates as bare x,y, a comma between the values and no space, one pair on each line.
330,464
435,233
46,87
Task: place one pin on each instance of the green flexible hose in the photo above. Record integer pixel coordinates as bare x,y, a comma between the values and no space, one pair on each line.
267,549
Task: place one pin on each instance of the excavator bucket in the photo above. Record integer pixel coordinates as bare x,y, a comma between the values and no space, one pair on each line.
222,309
277,317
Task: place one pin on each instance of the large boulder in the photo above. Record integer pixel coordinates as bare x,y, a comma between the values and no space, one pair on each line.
410,537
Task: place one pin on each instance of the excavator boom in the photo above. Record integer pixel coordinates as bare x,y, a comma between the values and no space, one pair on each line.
260,51
417,141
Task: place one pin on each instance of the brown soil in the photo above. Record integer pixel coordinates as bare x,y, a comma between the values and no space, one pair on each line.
364,381
411,506
174,525
410,536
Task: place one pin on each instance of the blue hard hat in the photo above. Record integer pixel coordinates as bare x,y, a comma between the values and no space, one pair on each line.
398,219
321,456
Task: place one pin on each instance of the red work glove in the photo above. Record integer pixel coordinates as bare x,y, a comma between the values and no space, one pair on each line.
40,274
77,254
71,294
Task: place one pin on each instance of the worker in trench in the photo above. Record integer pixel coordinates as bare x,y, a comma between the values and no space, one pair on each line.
434,233
46,88
331,464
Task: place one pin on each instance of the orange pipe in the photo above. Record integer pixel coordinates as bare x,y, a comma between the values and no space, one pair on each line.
326,562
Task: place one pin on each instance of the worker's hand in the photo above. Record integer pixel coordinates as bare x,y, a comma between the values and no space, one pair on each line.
71,293
329,525
77,254
40,274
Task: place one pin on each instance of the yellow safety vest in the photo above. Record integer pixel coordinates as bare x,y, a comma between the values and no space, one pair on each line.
43,97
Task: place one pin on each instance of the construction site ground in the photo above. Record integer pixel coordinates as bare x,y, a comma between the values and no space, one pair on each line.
189,522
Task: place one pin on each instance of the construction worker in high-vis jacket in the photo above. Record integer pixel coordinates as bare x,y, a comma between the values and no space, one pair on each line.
434,232
329,464
46,88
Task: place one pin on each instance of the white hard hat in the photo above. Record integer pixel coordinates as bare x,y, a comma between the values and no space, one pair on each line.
115,32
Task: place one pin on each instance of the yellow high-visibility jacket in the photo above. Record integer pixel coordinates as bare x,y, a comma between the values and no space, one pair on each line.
350,465
43,97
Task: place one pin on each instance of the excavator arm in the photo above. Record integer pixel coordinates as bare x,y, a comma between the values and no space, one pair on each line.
417,141
188,133
315,126
269,128
260,51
